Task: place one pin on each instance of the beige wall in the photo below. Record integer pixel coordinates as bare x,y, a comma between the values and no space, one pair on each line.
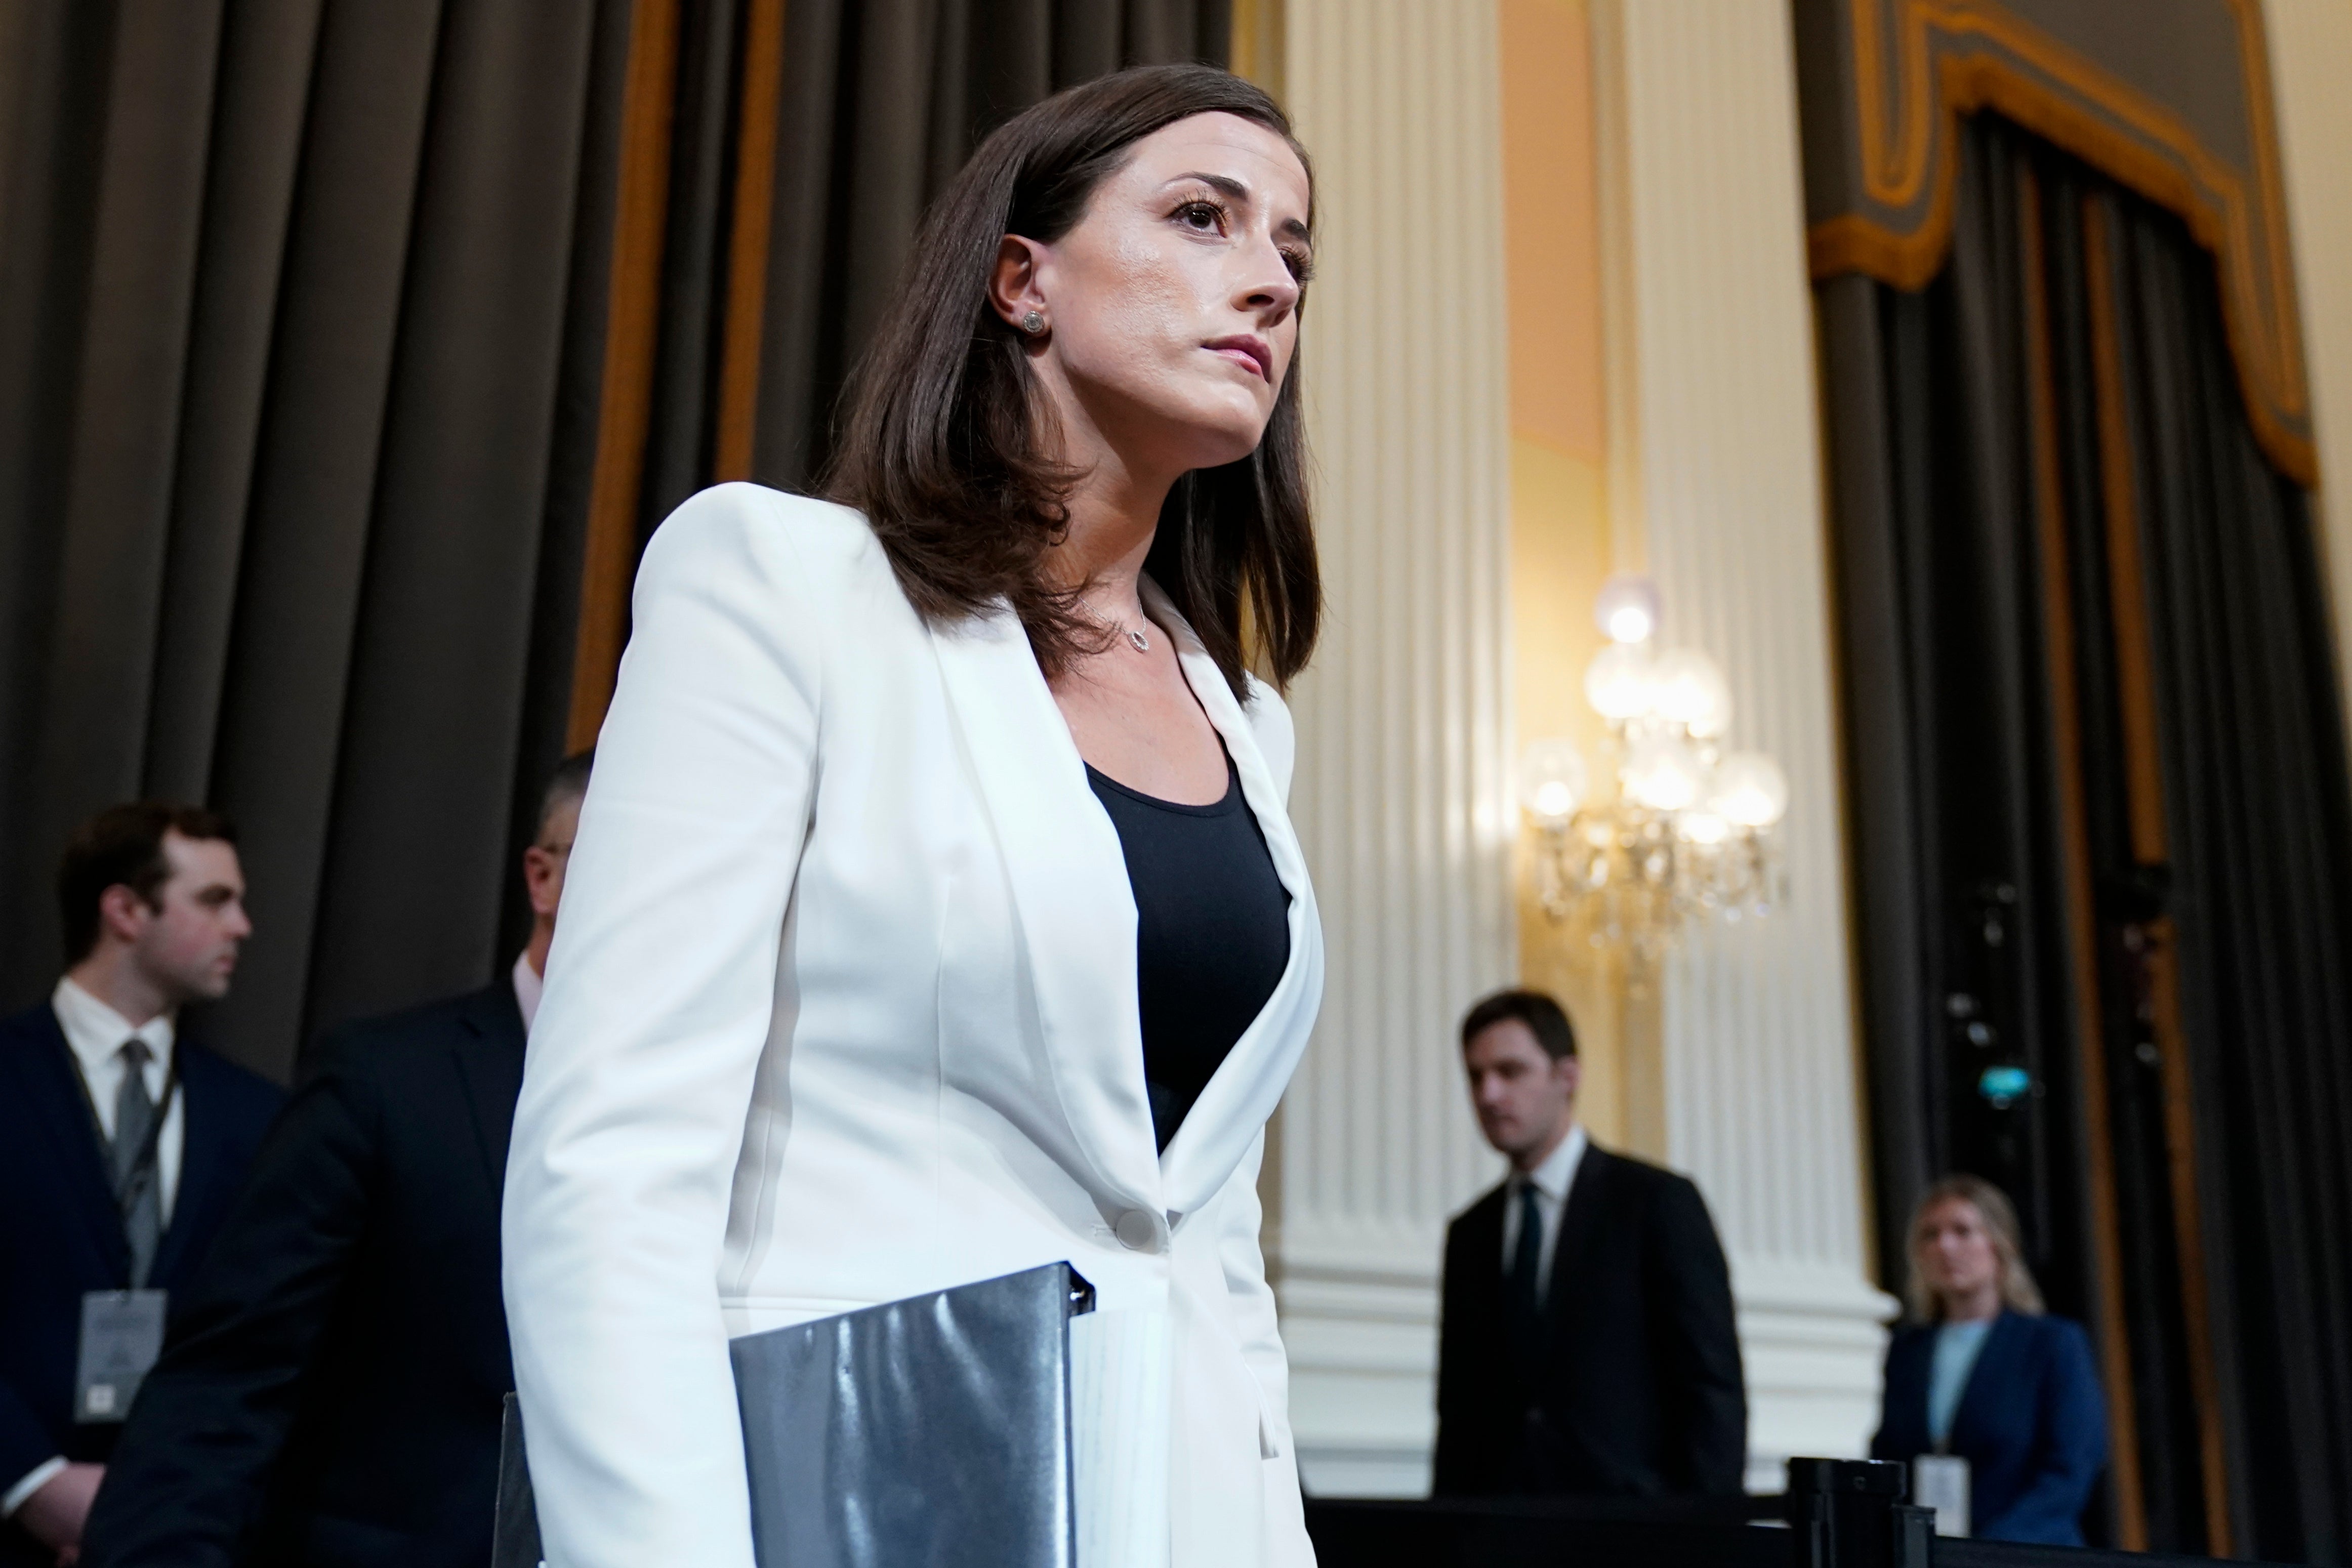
1405,720
2310,70
1560,545
1714,482
1561,325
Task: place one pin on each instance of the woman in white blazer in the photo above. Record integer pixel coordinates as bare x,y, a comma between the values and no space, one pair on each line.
852,999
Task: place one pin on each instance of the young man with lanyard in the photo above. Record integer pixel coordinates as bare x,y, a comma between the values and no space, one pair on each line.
121,1145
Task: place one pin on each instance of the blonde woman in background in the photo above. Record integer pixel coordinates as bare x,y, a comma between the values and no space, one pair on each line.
1982,1372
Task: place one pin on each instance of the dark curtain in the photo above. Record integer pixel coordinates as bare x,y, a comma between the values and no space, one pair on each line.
303,308
882,102
300,318
2102,828
2255,769
860,169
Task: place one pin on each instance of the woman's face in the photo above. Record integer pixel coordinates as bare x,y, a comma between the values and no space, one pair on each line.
1172,305
1955,1250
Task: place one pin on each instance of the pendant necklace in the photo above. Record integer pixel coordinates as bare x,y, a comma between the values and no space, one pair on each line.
1142,644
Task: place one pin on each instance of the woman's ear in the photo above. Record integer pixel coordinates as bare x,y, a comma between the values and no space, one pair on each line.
1013,287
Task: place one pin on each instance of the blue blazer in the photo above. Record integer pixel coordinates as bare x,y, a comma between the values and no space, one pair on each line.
2032,1424
332,1390
60,1234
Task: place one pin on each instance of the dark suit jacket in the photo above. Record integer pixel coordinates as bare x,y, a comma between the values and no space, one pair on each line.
333,1391
1640,1391
2030,1423
61,1234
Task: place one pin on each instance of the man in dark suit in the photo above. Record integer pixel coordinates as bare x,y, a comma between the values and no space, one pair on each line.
332,1396
1587,1346
122,1147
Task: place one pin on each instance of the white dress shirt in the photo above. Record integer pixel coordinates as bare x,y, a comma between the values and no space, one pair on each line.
1551,1181
528,984
97,1034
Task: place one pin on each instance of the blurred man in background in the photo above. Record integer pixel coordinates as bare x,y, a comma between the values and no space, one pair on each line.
122,1147
1587,1345
332,1396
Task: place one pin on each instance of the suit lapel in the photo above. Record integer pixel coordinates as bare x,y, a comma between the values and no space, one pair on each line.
54,1083
489,1064
1482,1235
1995,1367
1243,1093
1578,1218
1070,895
206,1169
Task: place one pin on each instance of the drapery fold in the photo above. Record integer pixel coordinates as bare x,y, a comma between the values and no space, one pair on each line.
280,479
2103,828
304,308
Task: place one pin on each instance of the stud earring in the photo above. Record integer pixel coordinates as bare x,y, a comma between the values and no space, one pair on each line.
1034,322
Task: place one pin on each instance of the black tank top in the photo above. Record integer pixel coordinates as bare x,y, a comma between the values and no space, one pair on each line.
1211,933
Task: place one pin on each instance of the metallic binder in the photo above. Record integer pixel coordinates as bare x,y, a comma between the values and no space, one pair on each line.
514,1529
929,1433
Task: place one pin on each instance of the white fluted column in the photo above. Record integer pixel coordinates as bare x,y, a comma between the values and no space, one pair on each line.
1400,796
2310,54
1754,1065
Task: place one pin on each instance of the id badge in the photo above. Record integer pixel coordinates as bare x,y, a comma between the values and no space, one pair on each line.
121,1335
1940,1481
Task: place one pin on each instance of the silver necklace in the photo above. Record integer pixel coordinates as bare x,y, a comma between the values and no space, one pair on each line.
1142,644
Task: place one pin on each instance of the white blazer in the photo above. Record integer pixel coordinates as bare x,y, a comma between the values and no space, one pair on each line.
842,1008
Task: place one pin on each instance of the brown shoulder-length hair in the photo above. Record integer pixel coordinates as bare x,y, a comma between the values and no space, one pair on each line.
2019,1293
945,442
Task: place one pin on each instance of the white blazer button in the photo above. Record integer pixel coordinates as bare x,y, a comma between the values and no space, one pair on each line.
1136,1229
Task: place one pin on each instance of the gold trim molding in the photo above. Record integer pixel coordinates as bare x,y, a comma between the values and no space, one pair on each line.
1892,178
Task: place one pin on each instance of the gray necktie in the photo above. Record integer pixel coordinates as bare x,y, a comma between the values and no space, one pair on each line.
136,1188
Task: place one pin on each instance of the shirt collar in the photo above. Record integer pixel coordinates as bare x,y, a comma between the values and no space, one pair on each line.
1553,1177
96,1031
529,983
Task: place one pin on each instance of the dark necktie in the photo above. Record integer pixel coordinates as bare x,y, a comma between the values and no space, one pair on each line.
133,1159
1523,1286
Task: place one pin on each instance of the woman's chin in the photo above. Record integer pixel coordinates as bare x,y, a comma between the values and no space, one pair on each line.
1215,438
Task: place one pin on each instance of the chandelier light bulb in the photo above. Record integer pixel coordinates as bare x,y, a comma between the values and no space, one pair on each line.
1750,790
1617,682
1662,773
1552,780
1627,609
1688,688
1701,826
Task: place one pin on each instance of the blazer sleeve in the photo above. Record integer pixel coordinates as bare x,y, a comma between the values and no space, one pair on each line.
639,1072
2070,1445
1453,1469
188,1475
1883,1442
1705,1391
1239,1218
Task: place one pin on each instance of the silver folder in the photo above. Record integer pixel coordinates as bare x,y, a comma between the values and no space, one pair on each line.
929,1433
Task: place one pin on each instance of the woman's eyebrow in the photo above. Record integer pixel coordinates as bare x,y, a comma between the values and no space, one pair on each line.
1224,185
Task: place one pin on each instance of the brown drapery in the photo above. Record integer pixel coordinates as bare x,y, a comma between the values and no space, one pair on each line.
293,294
2169,98
348,351
789,216
2102,828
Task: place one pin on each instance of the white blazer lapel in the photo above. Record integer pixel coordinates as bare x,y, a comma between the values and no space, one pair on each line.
1068,877
1245,1088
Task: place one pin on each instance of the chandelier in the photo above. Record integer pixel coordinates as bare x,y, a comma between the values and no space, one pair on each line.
1681,829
